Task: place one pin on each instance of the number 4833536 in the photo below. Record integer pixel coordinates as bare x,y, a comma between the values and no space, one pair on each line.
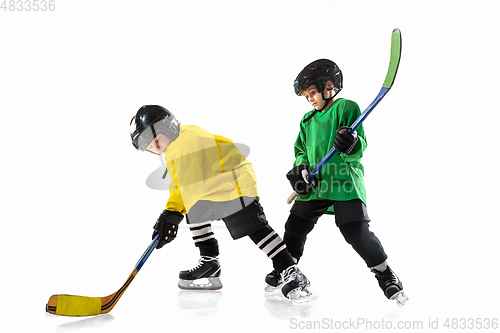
28,5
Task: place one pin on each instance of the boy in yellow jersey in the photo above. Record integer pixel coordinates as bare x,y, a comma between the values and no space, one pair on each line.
210,180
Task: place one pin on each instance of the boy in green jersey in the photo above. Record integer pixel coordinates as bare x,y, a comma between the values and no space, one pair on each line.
339,186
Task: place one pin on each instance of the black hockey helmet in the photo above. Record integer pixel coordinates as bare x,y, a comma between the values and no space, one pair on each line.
318,73
150,121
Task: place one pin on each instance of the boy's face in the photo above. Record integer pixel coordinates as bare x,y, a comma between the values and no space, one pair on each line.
160,144
314,96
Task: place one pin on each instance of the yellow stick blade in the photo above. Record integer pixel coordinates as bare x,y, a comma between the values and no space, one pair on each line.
70,305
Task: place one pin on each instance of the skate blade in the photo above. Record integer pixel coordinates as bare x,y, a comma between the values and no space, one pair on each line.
213,283
400,297
299,296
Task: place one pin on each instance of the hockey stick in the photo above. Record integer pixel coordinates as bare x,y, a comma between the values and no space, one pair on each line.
389,80
70,305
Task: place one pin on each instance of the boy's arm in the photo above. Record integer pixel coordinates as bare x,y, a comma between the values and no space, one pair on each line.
347,117
300,150
175,202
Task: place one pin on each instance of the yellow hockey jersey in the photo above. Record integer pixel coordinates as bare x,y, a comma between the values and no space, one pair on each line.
204,166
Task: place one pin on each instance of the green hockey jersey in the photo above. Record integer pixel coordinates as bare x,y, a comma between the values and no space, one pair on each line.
341,179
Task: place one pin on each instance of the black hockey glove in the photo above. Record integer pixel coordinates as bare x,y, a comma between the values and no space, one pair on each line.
298,179
345,141
166,227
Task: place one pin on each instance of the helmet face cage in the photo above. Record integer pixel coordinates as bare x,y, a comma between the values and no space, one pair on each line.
146,137
142,132
166,127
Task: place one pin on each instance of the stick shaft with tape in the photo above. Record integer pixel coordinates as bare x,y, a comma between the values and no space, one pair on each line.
72,305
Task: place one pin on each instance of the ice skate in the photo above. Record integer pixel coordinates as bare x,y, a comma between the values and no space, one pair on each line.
274,281
205,276
391,285
296,286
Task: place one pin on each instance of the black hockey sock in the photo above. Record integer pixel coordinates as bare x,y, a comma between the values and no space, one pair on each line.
272,245
208,248
204,239
364,242
296,230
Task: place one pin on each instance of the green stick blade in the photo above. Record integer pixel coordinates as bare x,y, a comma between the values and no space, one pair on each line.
395,57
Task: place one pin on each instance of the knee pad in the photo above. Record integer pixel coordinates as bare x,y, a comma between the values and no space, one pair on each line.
297,226
296,230
355,232
246,221
364,242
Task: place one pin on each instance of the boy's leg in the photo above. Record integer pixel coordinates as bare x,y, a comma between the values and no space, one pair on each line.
352,219
204,239
296,230
272,245
364,242
251,221
301,221
198,219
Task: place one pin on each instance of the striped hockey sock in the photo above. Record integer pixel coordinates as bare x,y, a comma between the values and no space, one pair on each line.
204,239
272,245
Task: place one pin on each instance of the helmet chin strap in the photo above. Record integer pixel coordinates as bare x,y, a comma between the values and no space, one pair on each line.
327,101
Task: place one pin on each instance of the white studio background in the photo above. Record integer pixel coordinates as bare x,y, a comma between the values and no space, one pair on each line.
76,213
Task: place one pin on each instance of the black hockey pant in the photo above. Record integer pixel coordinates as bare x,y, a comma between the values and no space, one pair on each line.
352,220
